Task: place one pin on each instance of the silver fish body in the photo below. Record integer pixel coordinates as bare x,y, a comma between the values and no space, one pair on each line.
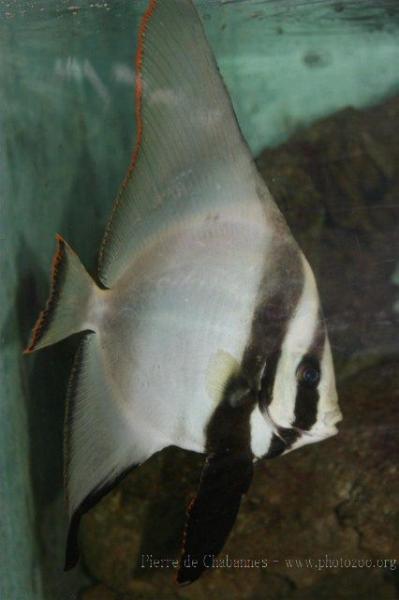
205,330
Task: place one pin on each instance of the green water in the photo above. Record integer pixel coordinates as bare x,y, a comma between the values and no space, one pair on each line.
66,133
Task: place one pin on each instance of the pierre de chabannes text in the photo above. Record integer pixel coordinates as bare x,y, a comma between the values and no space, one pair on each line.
210,561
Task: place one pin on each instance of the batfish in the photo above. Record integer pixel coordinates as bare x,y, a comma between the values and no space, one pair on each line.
202,327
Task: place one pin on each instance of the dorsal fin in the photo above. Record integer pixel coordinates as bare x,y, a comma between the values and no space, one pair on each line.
190,155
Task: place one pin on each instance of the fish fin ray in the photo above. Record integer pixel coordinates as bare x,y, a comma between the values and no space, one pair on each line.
100,446
211,515
189,147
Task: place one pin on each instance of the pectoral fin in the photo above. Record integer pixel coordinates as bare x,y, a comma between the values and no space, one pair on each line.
211,515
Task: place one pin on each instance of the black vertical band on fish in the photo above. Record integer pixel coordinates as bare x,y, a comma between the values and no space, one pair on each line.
269,328
271,319
307,397
268,376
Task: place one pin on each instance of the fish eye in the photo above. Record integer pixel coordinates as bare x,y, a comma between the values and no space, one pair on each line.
308,374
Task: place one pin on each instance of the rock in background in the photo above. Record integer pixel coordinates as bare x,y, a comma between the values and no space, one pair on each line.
337,183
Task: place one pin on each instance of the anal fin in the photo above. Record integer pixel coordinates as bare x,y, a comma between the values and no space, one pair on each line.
72,545
100,443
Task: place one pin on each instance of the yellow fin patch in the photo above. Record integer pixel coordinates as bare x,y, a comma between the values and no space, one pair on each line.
222,366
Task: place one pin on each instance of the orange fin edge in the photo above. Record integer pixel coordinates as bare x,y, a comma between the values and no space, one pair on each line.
45,316
145,20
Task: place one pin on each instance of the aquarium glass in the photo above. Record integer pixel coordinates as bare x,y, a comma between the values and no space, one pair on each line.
315,87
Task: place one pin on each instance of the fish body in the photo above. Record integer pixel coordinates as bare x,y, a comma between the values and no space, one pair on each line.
204,329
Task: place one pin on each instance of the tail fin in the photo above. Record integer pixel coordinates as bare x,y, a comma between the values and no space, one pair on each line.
67,307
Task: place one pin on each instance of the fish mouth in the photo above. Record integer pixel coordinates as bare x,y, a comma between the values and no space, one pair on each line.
328,426
332,417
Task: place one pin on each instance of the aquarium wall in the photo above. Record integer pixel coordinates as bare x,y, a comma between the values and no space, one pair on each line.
315,87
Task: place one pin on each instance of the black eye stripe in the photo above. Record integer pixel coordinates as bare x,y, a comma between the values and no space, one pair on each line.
307,396
306,402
